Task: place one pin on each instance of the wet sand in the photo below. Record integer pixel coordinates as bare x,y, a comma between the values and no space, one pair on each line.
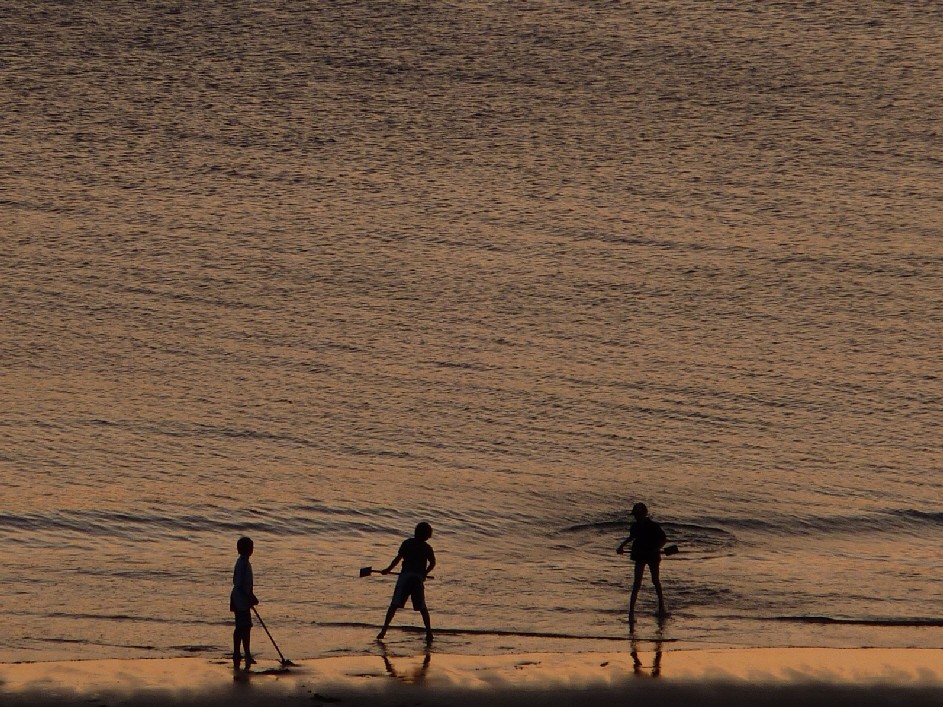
691,677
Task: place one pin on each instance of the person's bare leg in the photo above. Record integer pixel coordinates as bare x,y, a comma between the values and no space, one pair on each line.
247,654
386,623
426,620
656,580
636,585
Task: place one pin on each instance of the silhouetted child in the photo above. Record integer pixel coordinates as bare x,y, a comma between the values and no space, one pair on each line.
418,560
241,601
647,539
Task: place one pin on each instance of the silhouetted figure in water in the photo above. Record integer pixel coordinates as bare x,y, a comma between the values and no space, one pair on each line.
647,539
241,601
418,560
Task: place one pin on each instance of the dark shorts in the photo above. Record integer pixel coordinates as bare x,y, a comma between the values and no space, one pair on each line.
409,586
651,559
243,619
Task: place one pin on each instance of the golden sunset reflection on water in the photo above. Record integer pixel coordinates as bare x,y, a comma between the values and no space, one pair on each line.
315,272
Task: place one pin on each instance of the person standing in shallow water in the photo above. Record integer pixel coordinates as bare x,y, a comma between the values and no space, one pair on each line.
647,539
241,601
418,560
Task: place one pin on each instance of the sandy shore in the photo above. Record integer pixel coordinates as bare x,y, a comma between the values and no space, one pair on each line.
683,677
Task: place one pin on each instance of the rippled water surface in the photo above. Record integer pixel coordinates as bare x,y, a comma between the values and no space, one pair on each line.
316,271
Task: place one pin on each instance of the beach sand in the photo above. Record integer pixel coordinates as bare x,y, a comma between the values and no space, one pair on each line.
731,677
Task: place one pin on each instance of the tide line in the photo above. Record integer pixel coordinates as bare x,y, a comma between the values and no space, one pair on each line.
486,632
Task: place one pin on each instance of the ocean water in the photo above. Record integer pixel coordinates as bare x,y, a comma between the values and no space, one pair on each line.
314,272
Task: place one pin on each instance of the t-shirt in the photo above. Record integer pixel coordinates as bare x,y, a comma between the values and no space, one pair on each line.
647,537
417,555
240,599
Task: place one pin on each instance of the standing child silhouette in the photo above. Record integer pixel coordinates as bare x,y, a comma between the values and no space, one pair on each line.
241,601
418,560
647,539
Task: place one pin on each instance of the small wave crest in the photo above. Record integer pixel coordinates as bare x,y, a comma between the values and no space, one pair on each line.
876,622
899,520
125,618
34,527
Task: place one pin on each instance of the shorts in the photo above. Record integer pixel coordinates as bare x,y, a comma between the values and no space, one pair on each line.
650,559
243,619
410,585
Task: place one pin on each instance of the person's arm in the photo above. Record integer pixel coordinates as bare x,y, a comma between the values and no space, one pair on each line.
621,549
249,587
396,561
431,561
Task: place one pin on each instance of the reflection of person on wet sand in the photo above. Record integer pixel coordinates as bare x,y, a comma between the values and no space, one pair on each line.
647,539
418,560
637,664
413,677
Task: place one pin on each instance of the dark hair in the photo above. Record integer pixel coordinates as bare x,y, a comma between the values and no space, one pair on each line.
243,545
640,509
423,531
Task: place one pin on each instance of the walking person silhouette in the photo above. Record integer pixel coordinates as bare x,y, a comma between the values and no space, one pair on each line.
647,539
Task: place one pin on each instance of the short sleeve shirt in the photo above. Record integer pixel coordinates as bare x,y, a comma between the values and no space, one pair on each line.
416,554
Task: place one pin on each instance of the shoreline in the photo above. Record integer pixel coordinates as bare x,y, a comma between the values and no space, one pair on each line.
689,675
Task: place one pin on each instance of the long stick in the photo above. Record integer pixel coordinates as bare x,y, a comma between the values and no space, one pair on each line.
367,571
285,660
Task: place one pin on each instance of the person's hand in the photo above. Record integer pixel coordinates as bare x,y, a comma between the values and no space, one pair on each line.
385,571
255,601
620,550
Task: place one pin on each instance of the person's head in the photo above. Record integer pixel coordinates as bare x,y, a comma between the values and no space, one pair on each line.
423,531
639,510
245,546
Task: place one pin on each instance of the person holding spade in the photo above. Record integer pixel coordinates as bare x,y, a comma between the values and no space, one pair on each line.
647,540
